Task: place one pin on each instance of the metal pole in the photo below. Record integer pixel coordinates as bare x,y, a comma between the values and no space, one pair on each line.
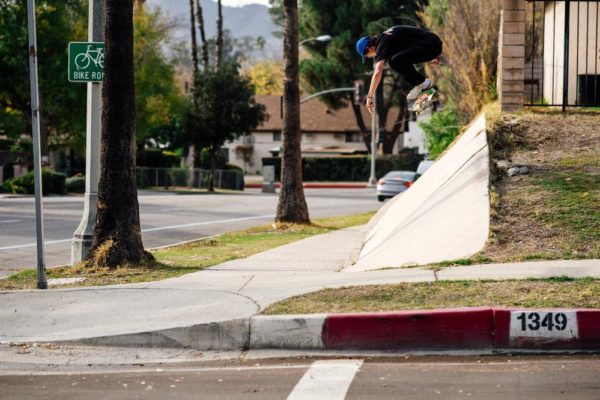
372,178
566,60
37,163
83,236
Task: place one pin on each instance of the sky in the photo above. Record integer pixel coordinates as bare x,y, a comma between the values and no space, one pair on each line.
239,3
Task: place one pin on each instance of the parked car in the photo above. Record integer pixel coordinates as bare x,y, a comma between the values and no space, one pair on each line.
395,182
424,166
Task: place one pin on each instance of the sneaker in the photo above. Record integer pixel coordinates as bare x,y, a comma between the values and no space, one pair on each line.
417,90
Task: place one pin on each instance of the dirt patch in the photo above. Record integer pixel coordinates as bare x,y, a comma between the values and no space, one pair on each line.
553,210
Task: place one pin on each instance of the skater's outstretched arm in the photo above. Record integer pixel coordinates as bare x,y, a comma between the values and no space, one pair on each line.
375,80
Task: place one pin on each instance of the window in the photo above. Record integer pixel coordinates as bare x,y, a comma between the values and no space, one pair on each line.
277,136
353,137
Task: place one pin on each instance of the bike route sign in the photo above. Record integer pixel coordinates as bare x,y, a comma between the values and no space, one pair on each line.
86,61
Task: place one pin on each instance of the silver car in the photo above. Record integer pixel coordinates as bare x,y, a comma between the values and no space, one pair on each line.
395,182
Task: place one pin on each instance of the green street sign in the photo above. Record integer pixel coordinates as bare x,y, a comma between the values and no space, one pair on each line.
86,61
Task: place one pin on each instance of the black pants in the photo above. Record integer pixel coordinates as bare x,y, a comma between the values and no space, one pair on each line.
403,61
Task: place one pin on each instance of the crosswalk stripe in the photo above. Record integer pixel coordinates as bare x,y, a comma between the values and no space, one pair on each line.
326,380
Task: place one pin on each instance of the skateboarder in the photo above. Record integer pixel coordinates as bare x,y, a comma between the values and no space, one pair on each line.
401,46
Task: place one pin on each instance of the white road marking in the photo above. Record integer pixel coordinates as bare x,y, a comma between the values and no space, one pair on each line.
8,221
162,228
326,380
223,221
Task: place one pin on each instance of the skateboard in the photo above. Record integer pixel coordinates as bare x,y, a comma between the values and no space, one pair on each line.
425,101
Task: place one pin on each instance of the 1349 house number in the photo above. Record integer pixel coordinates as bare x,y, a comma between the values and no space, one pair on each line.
544,324
535,321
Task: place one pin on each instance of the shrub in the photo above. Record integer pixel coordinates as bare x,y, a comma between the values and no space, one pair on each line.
52,183
441,130
349,169
157,158
76,184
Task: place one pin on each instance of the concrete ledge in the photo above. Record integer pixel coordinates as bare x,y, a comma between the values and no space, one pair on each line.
226,335
287,332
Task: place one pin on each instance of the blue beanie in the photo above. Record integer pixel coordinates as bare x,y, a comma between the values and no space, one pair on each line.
361,46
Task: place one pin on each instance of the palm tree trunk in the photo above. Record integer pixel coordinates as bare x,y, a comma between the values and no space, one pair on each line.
292,204
194,44
200,17
117,235
219,35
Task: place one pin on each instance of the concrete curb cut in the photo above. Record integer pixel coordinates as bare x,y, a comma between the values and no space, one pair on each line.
480,329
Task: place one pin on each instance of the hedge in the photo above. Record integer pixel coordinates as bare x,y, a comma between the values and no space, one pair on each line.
157,158
349,169
52,183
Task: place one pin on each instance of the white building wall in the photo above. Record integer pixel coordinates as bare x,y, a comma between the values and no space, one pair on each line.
583,53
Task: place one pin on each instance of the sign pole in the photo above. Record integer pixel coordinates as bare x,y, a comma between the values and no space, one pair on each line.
82,238
37,162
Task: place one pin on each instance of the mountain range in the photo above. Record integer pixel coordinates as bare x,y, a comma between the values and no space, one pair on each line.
250,20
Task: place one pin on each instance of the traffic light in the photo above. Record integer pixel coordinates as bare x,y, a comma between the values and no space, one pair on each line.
359,93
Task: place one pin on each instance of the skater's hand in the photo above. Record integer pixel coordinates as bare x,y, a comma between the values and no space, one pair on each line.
370,104
435,62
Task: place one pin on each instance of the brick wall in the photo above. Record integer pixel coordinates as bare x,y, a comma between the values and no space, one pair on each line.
511,57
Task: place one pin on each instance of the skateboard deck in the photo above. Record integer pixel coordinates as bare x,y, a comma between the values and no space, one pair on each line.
425,101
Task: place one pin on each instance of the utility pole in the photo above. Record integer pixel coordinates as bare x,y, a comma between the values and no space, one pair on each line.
37,161
82,238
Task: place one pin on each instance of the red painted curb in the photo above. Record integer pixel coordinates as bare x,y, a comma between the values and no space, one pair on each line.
463,328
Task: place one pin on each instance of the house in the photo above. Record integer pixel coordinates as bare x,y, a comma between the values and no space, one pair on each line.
583,64
325,133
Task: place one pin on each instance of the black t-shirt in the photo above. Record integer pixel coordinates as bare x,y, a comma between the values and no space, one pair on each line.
401,37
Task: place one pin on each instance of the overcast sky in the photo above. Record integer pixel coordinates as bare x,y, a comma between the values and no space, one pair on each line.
238,3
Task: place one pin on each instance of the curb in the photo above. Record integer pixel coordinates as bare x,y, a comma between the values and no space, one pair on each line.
481,329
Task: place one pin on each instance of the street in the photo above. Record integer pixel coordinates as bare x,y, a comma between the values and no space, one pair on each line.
166,218
360,378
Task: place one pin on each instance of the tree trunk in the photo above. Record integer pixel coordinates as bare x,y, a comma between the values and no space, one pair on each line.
213,168
292,204
194,44
117,235
200,17
219,35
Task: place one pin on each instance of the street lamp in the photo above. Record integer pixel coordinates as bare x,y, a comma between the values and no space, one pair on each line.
322,38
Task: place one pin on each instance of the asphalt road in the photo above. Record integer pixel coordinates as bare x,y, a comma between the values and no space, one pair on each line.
488,378
166,218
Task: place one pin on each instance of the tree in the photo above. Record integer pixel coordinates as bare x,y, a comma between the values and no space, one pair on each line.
62,113
219,35
267,77
193,34
200,17
292,204
469,30
157,98
117,235
223,109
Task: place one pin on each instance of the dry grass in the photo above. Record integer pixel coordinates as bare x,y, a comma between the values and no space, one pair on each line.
553,212
558,292
180,260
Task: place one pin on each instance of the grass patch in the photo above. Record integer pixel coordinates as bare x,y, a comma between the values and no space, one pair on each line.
180,260
555,292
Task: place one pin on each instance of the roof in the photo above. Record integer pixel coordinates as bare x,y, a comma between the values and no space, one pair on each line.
314,117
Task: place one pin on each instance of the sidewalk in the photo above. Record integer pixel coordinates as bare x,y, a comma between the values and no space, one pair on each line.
211,309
